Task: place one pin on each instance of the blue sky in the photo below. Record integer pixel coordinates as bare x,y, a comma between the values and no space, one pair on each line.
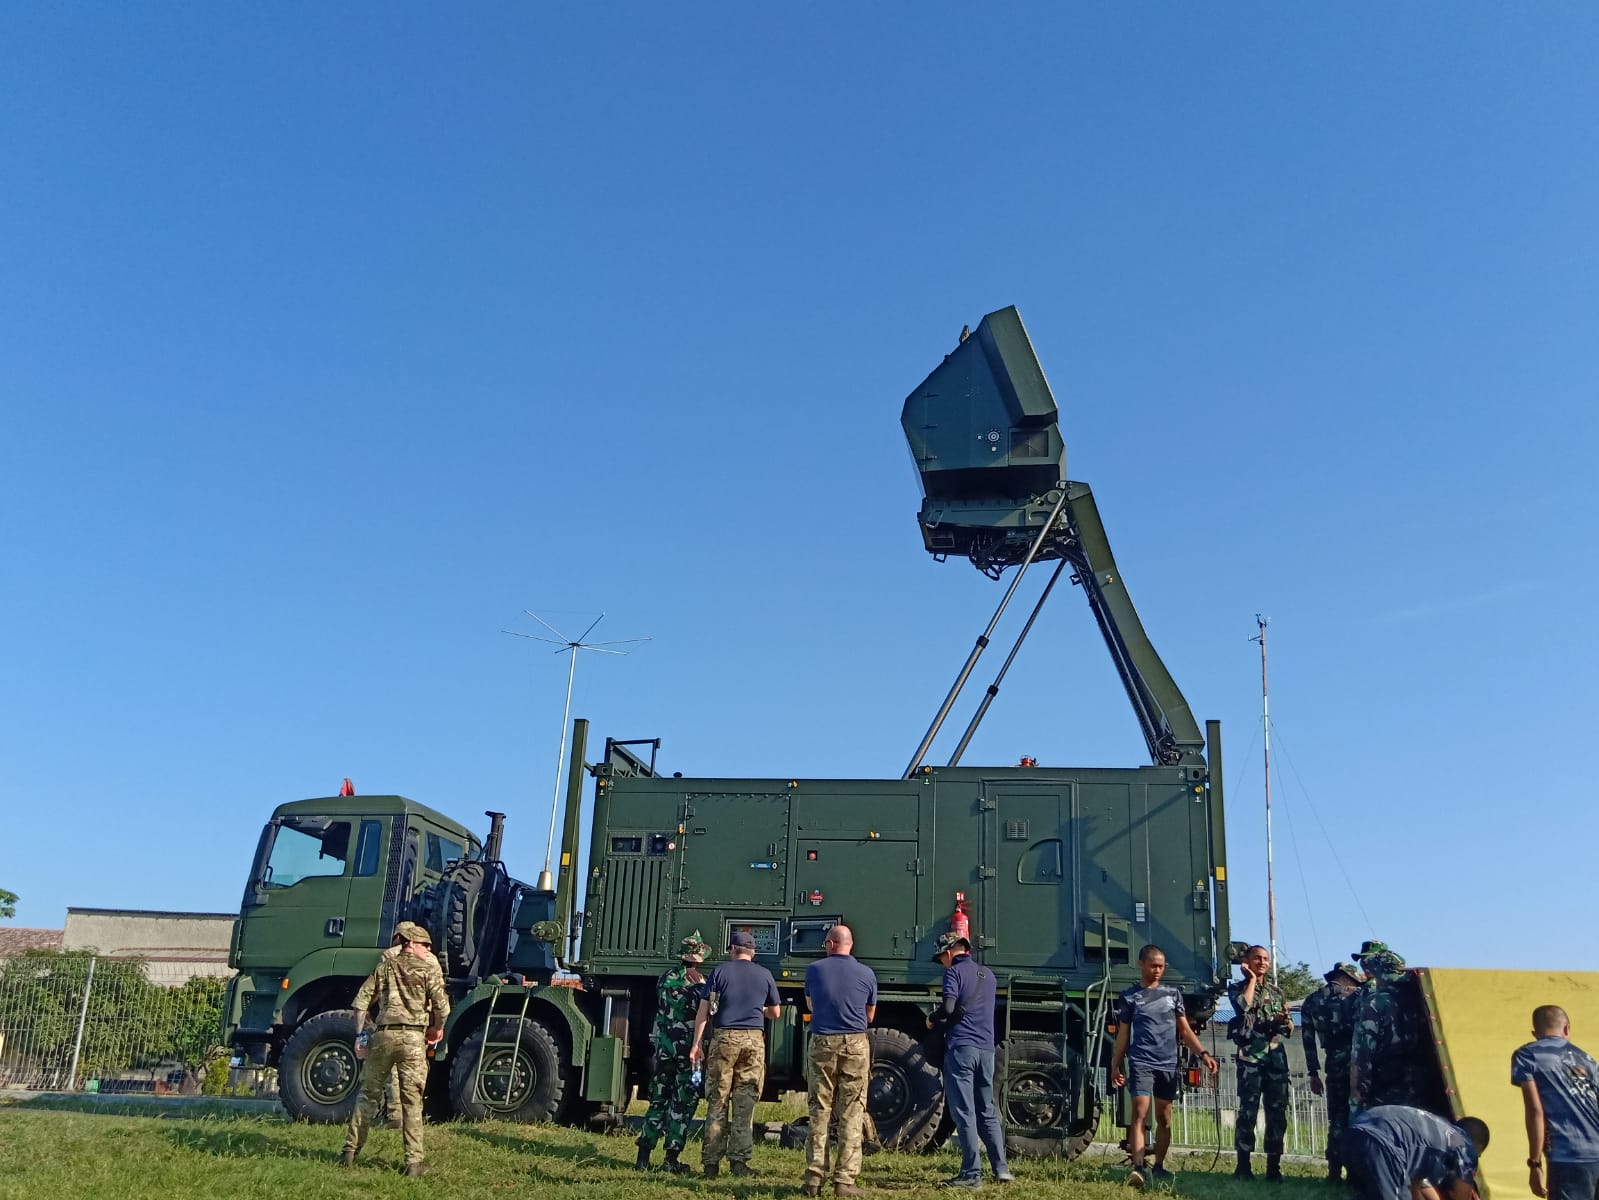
336,336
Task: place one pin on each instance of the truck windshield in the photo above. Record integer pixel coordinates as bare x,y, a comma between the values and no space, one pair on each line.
306,848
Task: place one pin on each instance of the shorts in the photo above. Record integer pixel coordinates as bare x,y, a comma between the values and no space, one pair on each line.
1151,1081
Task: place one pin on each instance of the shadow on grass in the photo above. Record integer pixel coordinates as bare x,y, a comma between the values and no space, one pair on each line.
174,1109
591,1151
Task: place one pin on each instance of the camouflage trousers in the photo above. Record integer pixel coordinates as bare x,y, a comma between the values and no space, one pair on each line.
673,1099
837,1072
1337,1088
404,1050
1265,1080
735,1069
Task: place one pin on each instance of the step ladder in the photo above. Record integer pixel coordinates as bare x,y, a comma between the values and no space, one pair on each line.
514,1011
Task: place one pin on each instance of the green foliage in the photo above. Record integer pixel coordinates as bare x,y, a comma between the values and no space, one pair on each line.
1297,981
215,1080
8,904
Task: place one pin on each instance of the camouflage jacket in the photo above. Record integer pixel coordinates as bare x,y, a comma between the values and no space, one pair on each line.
405,990
1257,1027
677,999
1331,1018
1382,1037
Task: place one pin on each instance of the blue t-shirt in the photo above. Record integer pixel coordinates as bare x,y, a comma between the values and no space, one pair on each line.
1568,1086
972,988
739,989
1152,1014
839,989
1430,1148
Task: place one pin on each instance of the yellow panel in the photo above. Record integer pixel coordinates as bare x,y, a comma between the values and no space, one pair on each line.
1483,1016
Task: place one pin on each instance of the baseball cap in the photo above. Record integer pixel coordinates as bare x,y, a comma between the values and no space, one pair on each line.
742,940
412,932
949,941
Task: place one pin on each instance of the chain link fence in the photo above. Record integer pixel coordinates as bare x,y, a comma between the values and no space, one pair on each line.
72,1020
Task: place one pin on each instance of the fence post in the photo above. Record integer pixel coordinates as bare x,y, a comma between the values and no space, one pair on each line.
83,1013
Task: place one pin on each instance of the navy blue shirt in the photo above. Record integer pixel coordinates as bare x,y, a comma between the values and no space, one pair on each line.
1429,1147
1568,1086
1152,1014
738,989
839,989
969,988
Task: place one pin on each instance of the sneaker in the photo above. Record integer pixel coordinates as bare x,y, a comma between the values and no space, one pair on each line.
1135,1178
962,1181
1161,1174
1004,1177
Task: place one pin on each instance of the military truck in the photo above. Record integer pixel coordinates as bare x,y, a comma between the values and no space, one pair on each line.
1059,873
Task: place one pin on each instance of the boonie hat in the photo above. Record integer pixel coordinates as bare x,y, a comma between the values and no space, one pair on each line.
742,940
1369,947
948,941
695,948
412,932
1343,968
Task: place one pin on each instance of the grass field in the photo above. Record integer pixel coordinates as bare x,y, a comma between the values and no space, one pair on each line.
68,1149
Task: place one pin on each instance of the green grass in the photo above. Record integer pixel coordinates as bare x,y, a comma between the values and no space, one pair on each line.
69,1149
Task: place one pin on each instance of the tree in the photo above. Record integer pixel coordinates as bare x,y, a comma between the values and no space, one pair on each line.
1297,981
8,905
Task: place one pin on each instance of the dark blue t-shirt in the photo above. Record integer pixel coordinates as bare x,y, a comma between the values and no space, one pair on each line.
739,989
839,989
1152,1014
1568,1086
1430,1148
972,988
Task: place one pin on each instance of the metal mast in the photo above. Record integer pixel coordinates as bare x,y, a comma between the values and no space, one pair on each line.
567,646
1265,721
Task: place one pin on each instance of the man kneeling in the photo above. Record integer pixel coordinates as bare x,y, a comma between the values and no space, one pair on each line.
1394,1152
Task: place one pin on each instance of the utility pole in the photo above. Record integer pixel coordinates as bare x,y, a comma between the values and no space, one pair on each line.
1265,720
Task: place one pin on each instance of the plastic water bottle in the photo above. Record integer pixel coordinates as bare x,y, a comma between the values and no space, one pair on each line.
697,1079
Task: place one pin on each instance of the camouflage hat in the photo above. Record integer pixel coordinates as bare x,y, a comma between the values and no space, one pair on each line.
1343,968
695,948
1385,965
947,942
410,931
1369,947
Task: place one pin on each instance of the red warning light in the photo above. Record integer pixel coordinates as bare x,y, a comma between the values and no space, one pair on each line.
348,789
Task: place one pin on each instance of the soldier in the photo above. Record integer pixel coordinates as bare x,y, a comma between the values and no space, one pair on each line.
1260,1022
1329,1014
1381,1052
408,992
1559,1085
740,997
673,1092
842,994
394,1116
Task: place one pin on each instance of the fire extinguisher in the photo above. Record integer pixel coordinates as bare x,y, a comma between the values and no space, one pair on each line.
959,924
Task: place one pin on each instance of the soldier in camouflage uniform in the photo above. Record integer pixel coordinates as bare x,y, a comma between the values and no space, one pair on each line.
673,1095
407,991
393,1114
1260,1022
1329,1014
1382,1050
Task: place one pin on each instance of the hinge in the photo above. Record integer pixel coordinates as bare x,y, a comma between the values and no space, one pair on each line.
914,866
985,872
987,804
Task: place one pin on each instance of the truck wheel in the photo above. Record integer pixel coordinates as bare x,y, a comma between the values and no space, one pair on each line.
318,1074
463,886
529,1091
905,1093
1036,1103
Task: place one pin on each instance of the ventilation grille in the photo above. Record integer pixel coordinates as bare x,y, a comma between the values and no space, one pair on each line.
636,905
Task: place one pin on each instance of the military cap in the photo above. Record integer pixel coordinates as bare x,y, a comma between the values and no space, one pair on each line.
695,948
1384,964
1370,947
1343,968
410,931
949,941
742,940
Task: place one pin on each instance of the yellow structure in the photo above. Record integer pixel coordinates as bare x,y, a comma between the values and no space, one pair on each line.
1478,1020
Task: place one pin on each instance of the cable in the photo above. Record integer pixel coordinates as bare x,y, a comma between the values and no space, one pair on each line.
1332,849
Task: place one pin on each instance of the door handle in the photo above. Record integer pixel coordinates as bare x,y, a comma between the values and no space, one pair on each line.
334,927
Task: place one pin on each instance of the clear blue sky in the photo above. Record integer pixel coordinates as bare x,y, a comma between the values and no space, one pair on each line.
332,337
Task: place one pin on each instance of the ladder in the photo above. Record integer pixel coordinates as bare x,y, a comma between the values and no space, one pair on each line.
515,1013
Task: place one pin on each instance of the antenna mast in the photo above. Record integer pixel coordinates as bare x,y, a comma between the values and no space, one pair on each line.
1265,720
570,646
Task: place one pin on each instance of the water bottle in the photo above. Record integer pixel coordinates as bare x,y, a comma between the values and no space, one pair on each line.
697,1079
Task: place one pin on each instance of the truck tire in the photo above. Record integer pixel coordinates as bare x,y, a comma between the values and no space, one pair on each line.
534,1091
905,1093
318,1074
1034,1091
463,887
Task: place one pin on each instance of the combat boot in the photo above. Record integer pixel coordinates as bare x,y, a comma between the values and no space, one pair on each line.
847,1190
347,1159
712,1171
1274,1168
671,1166
642,1163
740,1169
415,1169
1242,1171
